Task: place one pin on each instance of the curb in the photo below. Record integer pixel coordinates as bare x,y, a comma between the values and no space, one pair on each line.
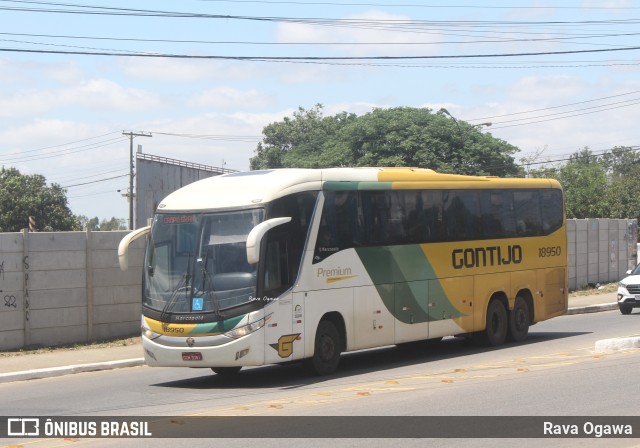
615,344
592,308
136,362
66,370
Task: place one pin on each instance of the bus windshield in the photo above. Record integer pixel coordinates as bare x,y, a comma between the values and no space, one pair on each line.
197,263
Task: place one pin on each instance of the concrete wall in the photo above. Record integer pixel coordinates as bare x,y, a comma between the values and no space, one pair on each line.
600,250
67,287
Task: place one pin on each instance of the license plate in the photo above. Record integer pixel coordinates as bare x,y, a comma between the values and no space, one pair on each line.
191,356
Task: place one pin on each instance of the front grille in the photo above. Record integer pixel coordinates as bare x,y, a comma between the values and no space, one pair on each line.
633,289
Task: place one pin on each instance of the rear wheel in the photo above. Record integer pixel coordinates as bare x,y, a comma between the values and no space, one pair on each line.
326,356
625,309
497,324
226,371
519,321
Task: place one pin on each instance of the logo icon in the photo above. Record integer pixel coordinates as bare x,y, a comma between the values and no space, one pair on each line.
285,345
191,342
23,427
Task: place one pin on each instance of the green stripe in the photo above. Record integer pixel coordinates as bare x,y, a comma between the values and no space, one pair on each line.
407,283
217,327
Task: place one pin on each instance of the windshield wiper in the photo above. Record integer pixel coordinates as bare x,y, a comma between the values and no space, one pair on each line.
206,277
183,284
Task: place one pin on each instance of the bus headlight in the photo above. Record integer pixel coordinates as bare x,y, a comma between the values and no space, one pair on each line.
149,334
246,329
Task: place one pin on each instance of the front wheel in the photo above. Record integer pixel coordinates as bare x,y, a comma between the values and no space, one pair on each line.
326,355
497,324
519,321
625,309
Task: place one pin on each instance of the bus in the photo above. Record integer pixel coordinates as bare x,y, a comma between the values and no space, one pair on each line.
273,266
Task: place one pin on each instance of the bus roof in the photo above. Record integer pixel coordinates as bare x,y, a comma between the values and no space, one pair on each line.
252,188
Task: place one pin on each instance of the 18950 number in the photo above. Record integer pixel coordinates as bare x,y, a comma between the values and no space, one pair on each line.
550,251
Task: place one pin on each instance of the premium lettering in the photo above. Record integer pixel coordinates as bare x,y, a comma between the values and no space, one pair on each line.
486,256
336,272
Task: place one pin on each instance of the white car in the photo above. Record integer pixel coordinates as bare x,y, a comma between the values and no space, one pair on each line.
629,291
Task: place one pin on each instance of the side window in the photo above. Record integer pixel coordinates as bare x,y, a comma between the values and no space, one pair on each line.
498,219
285,243
376,208
416,220
527,211
462,215
340,224
277,277
423,210
552,210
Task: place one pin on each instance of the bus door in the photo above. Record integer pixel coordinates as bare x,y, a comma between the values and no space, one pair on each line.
284,329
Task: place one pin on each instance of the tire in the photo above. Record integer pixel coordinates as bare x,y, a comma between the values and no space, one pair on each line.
519,319
495,332
625,309
226,371
326,355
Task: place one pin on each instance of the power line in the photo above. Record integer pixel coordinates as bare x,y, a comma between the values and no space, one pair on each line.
555,107
414,5
318,58
95,181
62,152
104,10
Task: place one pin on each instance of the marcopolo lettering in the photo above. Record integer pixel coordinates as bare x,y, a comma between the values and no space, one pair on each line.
486,256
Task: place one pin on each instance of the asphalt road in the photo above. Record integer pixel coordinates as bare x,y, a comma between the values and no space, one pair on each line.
555,372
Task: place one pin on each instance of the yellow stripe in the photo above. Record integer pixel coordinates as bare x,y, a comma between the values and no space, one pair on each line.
337,279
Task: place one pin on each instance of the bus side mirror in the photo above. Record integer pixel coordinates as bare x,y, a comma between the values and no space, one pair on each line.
123,247
257,233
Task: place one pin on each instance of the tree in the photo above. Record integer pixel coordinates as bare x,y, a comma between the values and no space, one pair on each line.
623,165
104,225
22,196
91,224
112,224
402,136
599,186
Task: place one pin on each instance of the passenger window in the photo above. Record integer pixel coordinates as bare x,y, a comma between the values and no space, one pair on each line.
527,211
462,215
498,219
552,216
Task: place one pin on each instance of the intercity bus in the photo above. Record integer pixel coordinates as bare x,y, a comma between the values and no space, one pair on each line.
273,266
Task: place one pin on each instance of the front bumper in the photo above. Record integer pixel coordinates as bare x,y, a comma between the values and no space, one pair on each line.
245,351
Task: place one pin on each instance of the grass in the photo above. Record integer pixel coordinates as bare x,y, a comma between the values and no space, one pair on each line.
591,290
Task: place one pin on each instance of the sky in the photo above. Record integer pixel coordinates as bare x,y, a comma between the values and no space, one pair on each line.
203,77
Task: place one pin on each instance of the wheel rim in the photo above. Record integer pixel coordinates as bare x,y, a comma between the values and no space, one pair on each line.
520,319
327,347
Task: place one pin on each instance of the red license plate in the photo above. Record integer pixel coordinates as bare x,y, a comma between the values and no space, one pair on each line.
191,356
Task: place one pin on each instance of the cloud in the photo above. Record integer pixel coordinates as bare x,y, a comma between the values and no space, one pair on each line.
227,98
544,88
95,94
385,32
613,4
179,70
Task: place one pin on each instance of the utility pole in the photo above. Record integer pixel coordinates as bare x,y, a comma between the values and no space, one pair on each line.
131,174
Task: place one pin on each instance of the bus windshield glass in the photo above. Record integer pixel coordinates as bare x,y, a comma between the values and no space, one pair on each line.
197,263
